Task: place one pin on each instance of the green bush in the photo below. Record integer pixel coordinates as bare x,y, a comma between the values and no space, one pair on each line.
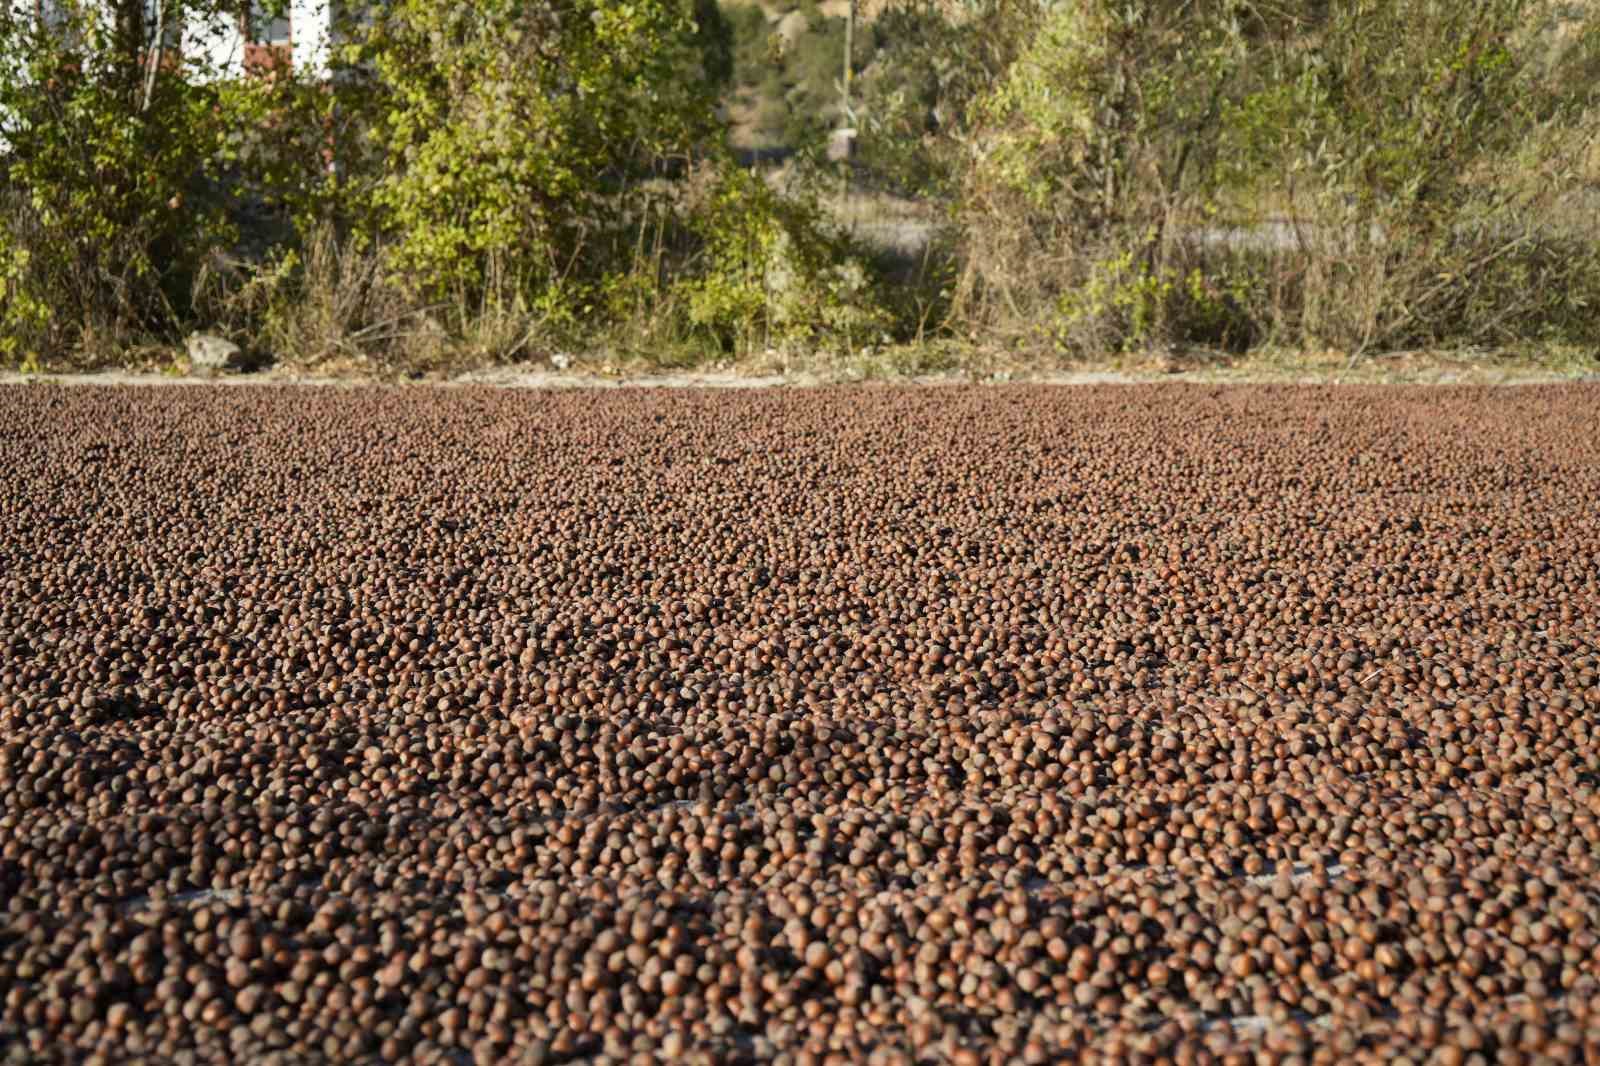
1363,175
512,132
468,174
477,181
914,93
1428,151
752,44
771,119
771,273
1100,136
109,191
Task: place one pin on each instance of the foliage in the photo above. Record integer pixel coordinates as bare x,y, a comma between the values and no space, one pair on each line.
108,191
299,154
1099,136
772,274
320,300
927,67
510,131
1366,174
709,52
752,43
1426,149
24,317
481,182
793,87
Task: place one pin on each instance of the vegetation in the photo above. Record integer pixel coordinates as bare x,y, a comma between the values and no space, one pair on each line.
1367,176
487,182
473,183
108,192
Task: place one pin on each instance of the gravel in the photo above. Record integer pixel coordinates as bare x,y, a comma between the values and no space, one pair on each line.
1164,723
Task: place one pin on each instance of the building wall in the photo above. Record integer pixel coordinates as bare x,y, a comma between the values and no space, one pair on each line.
214,46
217,43
310,32
221,41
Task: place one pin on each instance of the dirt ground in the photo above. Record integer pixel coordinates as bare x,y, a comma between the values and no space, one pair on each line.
1413,368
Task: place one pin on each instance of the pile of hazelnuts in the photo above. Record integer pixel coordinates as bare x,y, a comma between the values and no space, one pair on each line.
861,725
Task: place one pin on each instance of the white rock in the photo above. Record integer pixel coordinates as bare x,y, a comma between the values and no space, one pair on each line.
789,29
207,351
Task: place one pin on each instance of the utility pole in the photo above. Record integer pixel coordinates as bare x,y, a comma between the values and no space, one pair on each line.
849,42
847,135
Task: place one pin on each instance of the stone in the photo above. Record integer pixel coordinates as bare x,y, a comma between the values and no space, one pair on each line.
789,29
207,351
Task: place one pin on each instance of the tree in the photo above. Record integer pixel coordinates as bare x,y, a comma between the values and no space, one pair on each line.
108,197
513,133
1361,174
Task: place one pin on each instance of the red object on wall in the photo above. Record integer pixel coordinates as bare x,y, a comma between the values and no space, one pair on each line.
266,58
269,41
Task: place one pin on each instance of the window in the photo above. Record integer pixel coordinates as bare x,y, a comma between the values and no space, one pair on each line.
262,27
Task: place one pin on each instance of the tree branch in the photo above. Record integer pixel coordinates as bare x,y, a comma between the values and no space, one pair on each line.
157,47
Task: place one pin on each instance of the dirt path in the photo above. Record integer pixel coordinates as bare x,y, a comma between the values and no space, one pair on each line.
1415,372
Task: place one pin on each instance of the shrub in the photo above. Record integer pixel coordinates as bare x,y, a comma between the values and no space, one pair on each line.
914,97
109,192
1364,175
770,273
511,132
496,169
1425,150
323,299
752,43
1099,137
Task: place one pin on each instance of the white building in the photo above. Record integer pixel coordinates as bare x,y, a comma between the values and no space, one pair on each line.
303,35
220,45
